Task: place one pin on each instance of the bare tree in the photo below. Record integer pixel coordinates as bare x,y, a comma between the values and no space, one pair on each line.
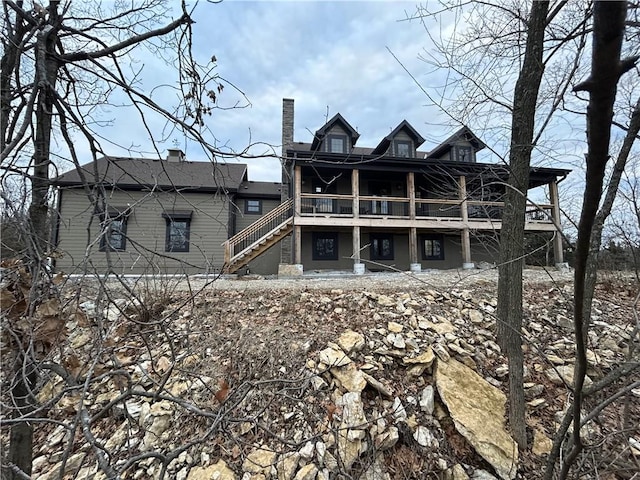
512,232
60,63
606,70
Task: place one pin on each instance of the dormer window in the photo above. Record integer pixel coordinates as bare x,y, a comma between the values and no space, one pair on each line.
464,154
337,143
402,148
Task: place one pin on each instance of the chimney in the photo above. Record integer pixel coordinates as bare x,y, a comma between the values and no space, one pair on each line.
287,124
175,155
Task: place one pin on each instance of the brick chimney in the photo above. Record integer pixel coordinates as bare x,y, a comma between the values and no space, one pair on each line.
175,155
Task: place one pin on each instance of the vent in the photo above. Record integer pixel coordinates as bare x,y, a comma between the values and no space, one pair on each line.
175,155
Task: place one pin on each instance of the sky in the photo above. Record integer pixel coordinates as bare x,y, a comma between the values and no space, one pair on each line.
330,57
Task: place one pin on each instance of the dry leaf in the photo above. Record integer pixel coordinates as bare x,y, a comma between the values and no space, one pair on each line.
222,394
163,364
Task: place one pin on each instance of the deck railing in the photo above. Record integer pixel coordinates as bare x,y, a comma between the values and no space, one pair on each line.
330,205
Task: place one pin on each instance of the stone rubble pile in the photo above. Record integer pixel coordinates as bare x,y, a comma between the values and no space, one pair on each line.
429,363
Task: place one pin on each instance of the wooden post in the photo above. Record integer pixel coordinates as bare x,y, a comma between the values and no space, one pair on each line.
464,213
355,192
411,188
557,239
297,192
356,245
297,244
462,192
413,245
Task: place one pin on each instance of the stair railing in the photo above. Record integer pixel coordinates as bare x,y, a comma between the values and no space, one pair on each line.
257,230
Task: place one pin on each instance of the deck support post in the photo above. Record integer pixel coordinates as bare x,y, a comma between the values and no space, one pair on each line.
464,213
358,267
555,212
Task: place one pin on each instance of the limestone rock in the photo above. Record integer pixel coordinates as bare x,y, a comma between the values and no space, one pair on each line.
457,473
351,429
377,385
482,475
478,412
386,301
259,461
395,327
425,358
308,472
427,400
398,411
350,378
564,374
334,358
219,471
542,444
387,439
425,438
351,341
287,465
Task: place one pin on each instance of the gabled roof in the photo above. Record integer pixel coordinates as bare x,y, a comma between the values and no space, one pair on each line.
136,173
404,125
259,189
337,118
464,133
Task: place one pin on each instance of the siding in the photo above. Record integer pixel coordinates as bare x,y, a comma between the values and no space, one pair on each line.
79,233
267,263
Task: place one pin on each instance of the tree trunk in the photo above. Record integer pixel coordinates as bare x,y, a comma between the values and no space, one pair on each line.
512,252
46,73
606,69
21,436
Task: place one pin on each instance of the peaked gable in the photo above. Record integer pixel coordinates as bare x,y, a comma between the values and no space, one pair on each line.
336,121
463,134
405,127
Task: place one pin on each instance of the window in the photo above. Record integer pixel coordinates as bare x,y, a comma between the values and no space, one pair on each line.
381,247
114,232
464,154
253,207
178,230
432,247
337,144
402,148
325,246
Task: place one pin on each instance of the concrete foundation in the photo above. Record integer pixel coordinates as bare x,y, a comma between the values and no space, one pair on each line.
358,268
415,267
468,266
290,270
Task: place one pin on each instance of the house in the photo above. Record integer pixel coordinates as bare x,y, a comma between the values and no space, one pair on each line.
339,207
141,215
393,205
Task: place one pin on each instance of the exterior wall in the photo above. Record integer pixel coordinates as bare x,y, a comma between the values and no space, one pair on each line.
267,263
79,234
481,251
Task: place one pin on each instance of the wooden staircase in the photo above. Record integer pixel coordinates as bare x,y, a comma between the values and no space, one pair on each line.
258,237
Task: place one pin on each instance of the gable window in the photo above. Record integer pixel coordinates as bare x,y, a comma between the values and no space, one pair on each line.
381,246
114,231
402,148
178,230
337,143
253,207
325,246
464,154
432,247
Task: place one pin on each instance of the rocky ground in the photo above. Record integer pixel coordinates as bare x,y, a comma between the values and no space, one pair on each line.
378,377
